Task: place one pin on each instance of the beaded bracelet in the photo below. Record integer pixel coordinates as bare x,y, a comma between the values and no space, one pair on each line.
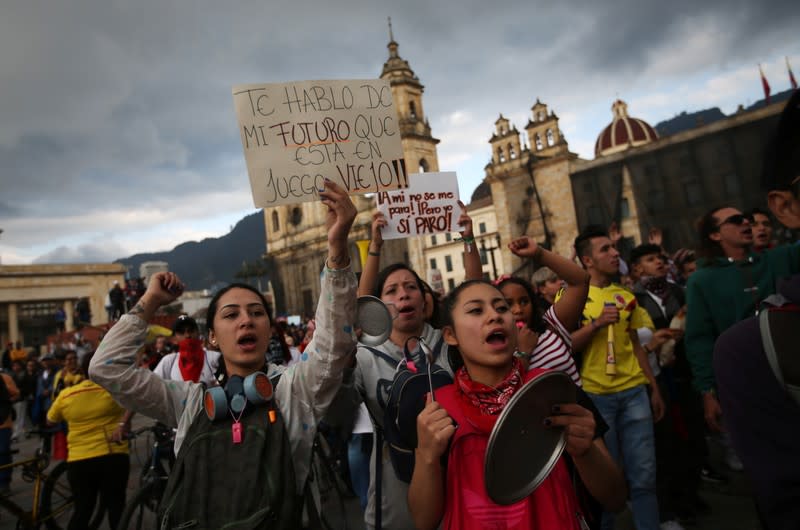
467,241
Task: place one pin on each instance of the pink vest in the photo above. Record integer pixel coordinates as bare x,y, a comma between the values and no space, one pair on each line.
467,505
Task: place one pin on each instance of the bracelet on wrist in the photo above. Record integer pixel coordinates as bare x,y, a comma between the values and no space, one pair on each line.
466,240
371,253
522,355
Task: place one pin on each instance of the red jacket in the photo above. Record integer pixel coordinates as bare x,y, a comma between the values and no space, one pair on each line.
467,505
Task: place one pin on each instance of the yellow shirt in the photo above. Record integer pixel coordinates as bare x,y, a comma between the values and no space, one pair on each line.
91,415
632,317
13,395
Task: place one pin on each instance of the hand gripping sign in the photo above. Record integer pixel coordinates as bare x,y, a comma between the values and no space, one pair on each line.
297,134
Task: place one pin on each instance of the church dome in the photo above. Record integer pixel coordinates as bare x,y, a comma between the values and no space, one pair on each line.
623,132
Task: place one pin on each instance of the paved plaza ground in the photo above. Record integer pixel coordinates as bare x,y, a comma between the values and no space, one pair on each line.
731,504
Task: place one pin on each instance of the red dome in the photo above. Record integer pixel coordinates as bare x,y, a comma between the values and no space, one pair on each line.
623,132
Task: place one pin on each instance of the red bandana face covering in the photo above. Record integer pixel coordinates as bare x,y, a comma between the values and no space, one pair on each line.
490,400
191,357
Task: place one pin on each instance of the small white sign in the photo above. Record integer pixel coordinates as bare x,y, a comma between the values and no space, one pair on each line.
429,205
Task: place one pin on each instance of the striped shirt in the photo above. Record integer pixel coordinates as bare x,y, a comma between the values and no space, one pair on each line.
554,348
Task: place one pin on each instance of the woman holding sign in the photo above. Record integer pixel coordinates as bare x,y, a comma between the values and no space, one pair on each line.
243,448
481,333
402,290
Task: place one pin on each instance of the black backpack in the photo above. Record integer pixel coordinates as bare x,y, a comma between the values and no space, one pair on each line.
779,335
412,381
255,489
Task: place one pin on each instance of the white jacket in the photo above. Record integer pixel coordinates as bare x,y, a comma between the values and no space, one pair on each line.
303,394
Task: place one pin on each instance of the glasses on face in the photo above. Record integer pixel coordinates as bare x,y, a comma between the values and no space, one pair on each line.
736,219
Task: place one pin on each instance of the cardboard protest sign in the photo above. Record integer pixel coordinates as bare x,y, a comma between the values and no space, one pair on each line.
427,206
295,135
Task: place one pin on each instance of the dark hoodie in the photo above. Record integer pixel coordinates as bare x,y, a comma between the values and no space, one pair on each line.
721,294
762,418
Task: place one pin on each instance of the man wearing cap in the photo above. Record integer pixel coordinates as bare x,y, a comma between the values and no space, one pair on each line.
192,362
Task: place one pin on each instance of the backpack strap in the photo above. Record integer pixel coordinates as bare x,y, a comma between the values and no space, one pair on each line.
778,330
391,361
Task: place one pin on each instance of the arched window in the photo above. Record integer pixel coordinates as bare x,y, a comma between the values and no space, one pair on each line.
412,109
501,156
550,139
541,115
511,153
276,223
423,166
539,142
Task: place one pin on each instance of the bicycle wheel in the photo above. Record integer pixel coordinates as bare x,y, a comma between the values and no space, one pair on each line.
141,512
56,505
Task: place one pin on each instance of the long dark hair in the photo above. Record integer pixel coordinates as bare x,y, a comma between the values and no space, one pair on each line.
707,225
212,306
384,274
448,306
536,322
222,374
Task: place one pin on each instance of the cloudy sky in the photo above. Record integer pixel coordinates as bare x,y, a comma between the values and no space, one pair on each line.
117,128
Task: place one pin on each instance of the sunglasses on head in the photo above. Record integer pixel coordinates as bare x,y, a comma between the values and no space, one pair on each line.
737,219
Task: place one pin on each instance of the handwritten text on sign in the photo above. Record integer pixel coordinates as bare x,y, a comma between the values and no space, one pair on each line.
427,206
296,134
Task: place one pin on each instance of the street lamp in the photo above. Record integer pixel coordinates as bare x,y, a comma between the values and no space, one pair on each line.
484,250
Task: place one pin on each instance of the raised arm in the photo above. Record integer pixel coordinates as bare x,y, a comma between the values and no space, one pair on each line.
473,270
308,387
569,307
114,364
370,272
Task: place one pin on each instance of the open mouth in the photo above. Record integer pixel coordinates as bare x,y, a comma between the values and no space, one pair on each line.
405,310
497,338
247,342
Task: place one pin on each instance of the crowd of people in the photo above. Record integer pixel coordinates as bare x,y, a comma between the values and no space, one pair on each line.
664,346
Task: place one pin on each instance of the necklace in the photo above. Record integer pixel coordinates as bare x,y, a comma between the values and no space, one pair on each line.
236,428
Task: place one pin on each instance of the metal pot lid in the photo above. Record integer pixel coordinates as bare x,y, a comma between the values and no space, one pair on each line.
374,319
522,451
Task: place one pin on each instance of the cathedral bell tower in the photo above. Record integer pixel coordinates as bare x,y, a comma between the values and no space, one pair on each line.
419,146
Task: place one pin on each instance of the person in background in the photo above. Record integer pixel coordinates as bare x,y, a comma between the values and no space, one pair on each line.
27,387
191,361
762,229
730,283
278,351
684,263
623,399
547,285
762,418
69,375
6,431
98,463
155,352
44,389
19,353
30,383
5,361
117,297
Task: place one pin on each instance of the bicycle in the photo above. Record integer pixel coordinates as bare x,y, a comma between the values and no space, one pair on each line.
142,510
52,497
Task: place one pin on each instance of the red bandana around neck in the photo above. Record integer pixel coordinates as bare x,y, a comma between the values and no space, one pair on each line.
490,400
191,357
